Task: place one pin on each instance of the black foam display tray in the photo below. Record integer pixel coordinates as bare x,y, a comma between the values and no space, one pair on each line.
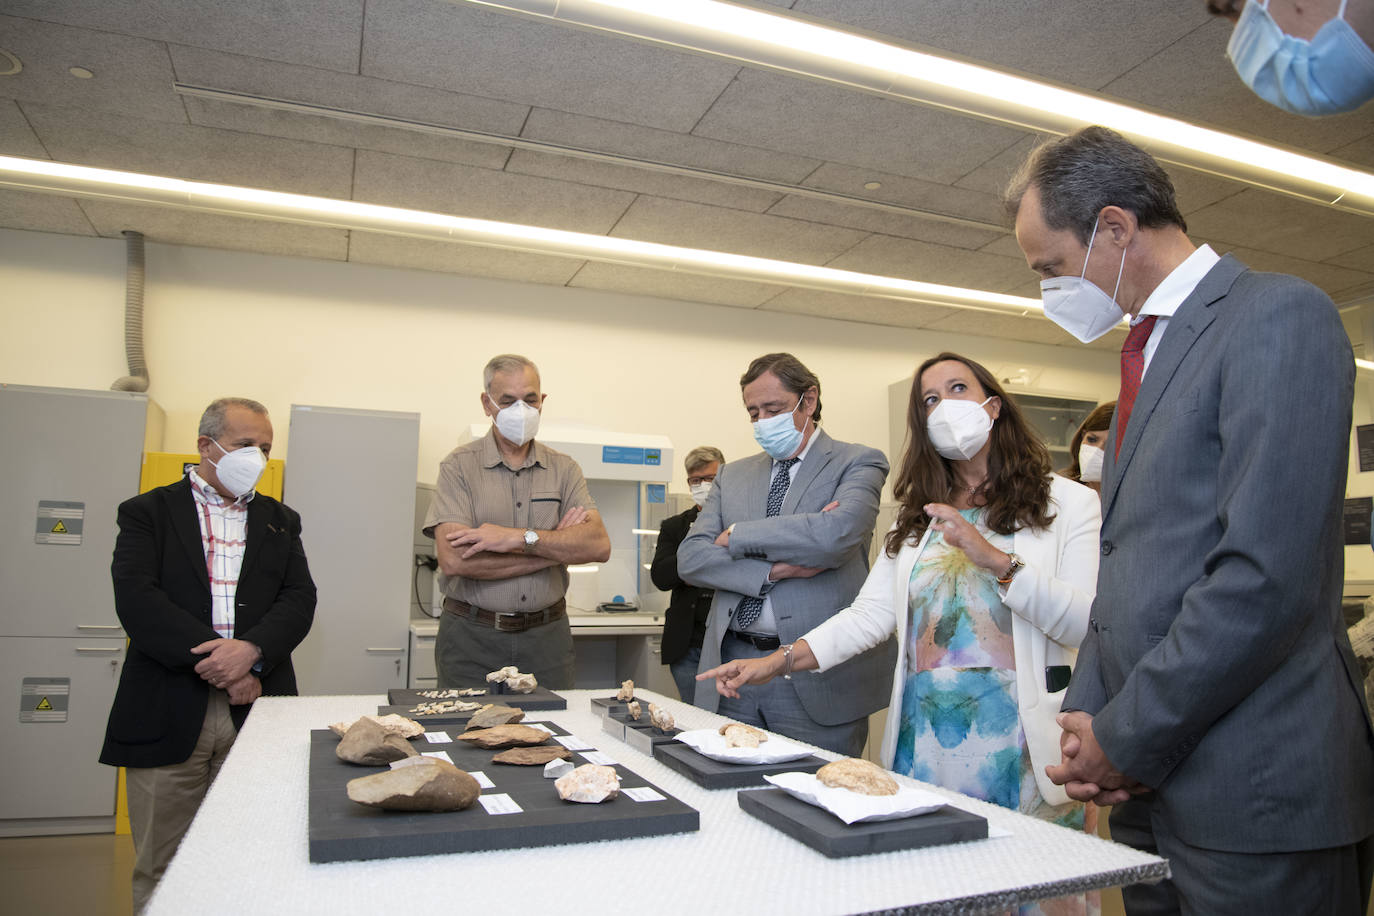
832,837
604,704
342,830
712,774
539,698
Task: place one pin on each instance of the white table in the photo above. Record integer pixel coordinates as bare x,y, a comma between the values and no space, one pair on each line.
246,852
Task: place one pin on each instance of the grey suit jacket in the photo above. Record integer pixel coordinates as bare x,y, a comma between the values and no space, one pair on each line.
802,534
1216,662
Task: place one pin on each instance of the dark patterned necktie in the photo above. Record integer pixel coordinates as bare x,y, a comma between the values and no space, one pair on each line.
1132,368
750,608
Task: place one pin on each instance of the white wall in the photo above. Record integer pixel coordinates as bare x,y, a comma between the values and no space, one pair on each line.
294,331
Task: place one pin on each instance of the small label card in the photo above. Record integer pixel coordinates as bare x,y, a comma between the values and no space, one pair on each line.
438,738
438,755
598,757
572,742
482,779
539,725
642,794
500,804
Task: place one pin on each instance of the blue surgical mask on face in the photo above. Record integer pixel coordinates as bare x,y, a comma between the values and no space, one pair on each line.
1333,72
778,435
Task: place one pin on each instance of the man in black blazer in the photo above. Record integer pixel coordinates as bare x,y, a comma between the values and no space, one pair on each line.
684,626
212,586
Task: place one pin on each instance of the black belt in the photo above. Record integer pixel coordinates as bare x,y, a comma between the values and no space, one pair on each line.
507,621
762,643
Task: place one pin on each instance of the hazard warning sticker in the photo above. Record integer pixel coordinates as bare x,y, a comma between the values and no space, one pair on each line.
44,699
59,521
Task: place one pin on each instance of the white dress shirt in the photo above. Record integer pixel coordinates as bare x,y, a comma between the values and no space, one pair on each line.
1169,295
767,624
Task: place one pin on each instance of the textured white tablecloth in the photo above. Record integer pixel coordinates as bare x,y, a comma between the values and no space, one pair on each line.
246,852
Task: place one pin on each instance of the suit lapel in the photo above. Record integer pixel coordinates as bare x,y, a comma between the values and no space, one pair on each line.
1193,316
254,534
816,458
181,508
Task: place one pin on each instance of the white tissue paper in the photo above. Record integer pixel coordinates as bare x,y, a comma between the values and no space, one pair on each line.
854,807
709,742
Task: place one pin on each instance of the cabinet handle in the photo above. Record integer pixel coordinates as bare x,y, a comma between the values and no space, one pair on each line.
97,626
100,648
385,650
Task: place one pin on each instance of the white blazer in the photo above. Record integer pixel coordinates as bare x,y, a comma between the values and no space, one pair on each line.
1050,601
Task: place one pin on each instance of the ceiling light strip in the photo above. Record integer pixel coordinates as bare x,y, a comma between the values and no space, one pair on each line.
556,149
805,48
131,187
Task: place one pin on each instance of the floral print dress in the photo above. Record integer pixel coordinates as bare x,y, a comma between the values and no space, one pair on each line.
959,723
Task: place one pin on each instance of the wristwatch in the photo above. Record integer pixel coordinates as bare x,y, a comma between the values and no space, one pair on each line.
1017,564
531,540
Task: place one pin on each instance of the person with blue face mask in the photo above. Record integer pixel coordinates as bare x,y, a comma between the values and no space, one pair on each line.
783,539
1310,58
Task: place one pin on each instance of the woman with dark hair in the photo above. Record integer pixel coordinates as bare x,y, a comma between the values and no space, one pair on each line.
1089,447
987,577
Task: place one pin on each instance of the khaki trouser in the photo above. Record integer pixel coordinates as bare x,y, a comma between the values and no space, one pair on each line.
163,800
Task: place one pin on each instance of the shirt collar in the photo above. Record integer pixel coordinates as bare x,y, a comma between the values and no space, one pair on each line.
1179,285
815,434
491,453
207,494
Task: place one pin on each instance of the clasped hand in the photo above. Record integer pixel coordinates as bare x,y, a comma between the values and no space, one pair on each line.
489,538
227,665
1084,770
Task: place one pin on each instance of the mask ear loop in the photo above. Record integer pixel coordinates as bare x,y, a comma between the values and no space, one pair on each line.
1119,271
1082,274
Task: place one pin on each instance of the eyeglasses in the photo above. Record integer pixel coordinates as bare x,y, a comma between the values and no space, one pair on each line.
693,481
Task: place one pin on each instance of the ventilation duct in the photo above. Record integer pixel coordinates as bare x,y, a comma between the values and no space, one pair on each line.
137,379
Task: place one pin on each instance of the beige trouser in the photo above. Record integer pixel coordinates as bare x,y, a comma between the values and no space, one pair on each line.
163,800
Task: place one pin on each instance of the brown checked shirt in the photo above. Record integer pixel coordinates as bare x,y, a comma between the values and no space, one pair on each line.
476,486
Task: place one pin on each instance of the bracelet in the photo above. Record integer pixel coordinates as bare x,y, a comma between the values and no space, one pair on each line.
787,657
1016,565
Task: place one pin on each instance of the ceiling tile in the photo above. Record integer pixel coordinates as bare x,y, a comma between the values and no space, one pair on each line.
1194,190
642,181
445,187
991,171
1287,225
913,260
211,230
1331,278
990,324
883,221
865,309
672,222
639,142
783,112
469,49
195,153
318,33
469,260
42,213
1359,259
1359,152
623,278
16,137
908,192
1061,41
133,77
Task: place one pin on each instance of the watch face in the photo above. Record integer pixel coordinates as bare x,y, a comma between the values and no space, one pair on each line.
531,538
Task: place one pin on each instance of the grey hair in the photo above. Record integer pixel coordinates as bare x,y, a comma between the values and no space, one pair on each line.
1080,174
506,362
701,456
212,421
795,377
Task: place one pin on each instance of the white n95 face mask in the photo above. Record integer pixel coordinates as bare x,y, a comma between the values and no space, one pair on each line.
519,422
958,429
1078,306
240,470
700,491
1090,463
1333,72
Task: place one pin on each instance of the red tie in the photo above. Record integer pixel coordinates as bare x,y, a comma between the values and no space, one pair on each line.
1132,368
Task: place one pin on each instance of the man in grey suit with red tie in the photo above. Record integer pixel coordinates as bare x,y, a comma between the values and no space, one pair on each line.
1216,702
783,539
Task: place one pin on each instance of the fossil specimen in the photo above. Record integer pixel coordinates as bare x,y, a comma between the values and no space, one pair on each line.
737,735
627,691
492,714
661,718
442,707
369,744
590,783
505,736
533,756
393,724
428,784
857,776
633,709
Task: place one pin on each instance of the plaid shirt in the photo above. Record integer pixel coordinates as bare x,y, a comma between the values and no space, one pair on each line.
223,534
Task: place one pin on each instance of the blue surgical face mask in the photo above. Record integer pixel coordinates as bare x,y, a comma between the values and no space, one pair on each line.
778,435
1333,72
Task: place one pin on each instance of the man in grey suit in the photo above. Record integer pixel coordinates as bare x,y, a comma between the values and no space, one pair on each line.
1216,701
783,539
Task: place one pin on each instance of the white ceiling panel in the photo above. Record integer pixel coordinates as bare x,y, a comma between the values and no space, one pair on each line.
1361,151
212,230
908,192
1335,280
1194,190
318,33
672,222
988,324
782,112
1359,259
841,307
870,220
640,181
132,76
42,213
197,153
16,137
1283,225
475,50
468,260
623,278
1061,41
445,187
991,174
933,263
640,142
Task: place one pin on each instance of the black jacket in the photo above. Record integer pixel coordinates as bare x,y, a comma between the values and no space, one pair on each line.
684,625
162,597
